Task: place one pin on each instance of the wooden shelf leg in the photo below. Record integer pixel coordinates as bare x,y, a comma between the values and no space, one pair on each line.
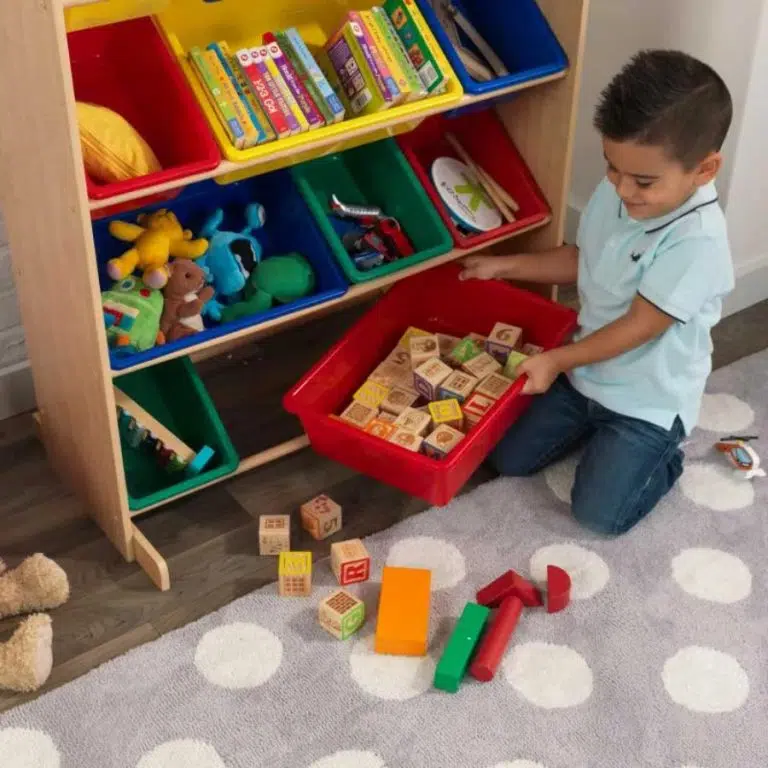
151,560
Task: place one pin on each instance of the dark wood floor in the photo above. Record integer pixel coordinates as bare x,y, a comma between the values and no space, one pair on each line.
211,538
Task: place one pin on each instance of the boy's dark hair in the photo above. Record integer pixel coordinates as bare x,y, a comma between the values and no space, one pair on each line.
669,99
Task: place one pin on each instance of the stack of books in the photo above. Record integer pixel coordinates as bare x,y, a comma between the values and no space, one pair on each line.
377,59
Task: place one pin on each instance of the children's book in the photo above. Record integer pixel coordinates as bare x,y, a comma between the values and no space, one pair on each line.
416,87
262,92
385,50
288,98
384,79
277,94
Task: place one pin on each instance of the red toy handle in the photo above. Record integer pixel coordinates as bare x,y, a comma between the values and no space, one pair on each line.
496,640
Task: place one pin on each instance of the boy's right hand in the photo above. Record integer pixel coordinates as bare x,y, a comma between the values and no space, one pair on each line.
481,268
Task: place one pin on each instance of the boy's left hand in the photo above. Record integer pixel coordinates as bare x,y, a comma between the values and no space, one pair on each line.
541,370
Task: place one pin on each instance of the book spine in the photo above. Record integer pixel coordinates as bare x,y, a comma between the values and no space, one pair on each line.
352,80
315,73
295,115
249,131
254,133
418,91
292,80
386,52
365,22
274,91
252,99
431,44
263,94
357,29
217,98
303,75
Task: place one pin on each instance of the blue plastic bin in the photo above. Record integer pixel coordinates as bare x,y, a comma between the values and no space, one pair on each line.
517,31
289,227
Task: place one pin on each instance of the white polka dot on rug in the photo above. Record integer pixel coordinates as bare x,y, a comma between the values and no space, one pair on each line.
394,678
588,571
711,574
351,758
724,413
561,476
705,680
27,748
519,764
549,676
238,655
441,557
716,486
189,753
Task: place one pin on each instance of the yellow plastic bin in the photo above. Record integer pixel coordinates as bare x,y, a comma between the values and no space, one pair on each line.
241,23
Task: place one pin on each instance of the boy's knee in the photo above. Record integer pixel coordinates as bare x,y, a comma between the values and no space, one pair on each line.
600,515
511,463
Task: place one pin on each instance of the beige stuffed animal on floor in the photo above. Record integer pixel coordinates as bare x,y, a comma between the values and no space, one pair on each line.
38,584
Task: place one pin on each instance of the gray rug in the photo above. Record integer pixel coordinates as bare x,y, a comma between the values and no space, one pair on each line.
659,661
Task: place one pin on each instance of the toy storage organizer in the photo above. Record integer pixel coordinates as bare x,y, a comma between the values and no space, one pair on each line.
420,301
129,55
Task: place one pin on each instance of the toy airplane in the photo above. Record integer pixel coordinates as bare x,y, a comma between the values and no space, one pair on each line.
742,455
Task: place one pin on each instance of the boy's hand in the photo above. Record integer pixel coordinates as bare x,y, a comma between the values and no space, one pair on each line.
541,370
481,268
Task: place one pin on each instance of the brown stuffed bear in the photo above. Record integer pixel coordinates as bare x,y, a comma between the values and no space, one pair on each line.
185,295
38,584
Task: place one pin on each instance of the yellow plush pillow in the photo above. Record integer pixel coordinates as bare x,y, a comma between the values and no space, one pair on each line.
112,149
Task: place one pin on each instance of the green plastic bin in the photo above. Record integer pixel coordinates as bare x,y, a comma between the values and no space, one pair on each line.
174,394
374,174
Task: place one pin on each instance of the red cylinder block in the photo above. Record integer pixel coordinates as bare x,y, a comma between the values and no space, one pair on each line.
494,643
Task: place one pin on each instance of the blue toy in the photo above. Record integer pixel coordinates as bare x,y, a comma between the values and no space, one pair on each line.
230,258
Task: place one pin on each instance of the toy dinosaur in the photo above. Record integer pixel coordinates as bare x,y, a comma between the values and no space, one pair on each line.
185,296
156,237
231,257
132,316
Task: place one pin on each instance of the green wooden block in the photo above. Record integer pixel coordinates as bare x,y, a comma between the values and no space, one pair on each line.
465,350
352,621
457,654
514,359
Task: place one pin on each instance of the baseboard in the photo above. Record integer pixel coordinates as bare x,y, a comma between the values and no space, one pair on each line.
17,394
751,285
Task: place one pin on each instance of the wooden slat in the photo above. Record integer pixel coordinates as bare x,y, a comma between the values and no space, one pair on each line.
151,561
46,214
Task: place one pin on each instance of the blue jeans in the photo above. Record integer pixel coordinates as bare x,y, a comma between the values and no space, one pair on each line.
627,466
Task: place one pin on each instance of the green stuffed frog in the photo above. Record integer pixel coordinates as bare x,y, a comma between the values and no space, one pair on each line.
280,279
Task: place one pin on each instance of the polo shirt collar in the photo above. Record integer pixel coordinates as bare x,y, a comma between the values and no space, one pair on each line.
701,198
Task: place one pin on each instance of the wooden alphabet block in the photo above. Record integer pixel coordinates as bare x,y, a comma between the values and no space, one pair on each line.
514,359
532,349
446,412
441,442
428,377
359,415
294,572
341,614
458,386
464,351
482,365
414,421
398,399
447,343
475,407
382,429
406,439
423,348
321,517
493,386
502,340
372,394
274,534
350,562
411,333
387,417
403,623
479,339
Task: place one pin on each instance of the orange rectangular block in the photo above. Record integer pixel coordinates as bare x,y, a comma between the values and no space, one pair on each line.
403,623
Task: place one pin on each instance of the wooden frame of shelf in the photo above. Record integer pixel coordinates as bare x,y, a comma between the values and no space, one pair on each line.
47,214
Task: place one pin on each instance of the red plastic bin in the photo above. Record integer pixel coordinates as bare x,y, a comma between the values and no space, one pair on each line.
434,300
487,142
128,68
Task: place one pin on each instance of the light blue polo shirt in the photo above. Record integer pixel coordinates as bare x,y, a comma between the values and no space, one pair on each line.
681,263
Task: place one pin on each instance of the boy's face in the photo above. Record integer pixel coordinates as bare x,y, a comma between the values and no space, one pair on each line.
649,182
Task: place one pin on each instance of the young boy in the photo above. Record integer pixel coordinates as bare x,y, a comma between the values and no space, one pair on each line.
652,263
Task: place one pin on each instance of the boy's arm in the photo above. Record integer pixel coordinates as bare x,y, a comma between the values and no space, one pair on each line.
559,266
641,324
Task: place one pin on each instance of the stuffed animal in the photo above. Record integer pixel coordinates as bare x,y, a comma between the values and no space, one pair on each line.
38,584
231,257
132,316
156,237
185,296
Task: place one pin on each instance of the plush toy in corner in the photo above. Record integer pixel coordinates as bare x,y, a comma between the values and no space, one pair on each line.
156,237
132,316
231,257
282,278
38,584
185,295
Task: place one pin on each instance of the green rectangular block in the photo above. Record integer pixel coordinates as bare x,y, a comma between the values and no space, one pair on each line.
458,652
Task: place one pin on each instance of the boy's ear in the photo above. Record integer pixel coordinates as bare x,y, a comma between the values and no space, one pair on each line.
708,168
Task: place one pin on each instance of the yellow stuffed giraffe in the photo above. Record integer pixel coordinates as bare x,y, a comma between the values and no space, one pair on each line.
156,237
